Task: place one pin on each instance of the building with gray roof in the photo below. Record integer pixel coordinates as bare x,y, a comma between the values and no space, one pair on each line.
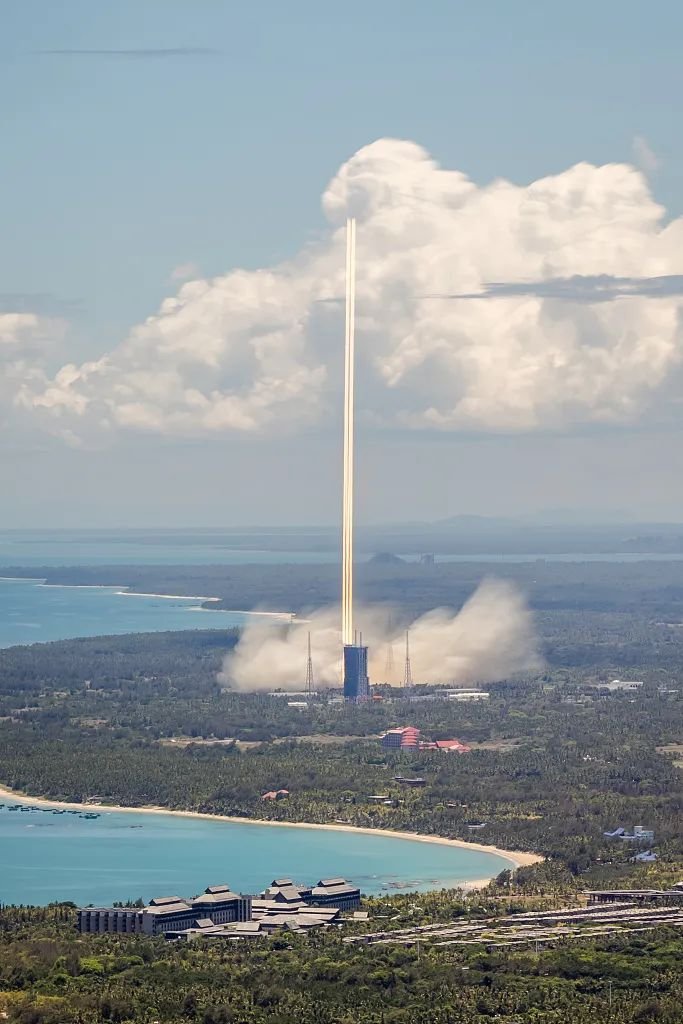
283,904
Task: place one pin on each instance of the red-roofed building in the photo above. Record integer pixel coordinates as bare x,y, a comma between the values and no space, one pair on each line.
453,746
407,738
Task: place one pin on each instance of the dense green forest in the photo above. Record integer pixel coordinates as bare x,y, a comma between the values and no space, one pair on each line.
556,760
50,975
546,774
595,620
649,591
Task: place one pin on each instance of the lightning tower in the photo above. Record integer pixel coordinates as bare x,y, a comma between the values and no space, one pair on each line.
408,672
356,683
309,671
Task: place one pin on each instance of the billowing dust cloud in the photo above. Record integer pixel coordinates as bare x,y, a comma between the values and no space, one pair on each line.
491,637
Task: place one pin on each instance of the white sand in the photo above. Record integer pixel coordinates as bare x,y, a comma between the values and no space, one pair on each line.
517,858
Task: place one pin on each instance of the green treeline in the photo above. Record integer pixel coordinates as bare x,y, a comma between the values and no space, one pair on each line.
551,776
51,975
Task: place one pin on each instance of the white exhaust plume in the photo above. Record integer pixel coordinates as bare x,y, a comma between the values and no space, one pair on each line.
491,637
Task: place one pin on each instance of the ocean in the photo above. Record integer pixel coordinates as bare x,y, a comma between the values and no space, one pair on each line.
126,855
28,548
31,612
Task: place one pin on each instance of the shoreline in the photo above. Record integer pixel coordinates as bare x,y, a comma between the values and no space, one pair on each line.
518,858
121,590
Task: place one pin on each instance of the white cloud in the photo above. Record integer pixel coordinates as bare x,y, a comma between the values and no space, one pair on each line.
645,155
252,351
492,637
20,329
26,339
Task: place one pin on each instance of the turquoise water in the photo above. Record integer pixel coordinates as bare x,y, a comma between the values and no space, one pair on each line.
126,855
31,612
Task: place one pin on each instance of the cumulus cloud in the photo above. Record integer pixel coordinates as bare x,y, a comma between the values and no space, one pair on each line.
259,351
492,637
26,339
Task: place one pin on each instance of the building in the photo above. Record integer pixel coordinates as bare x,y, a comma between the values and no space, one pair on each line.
119,920
403,781
335,892
638,835
406,738
465,695
356,682
168,913
286,893
219,912
447,746
295,695
266,919
329,892
621,685
631,896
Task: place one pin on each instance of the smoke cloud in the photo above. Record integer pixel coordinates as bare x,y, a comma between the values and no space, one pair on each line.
491,637
260,351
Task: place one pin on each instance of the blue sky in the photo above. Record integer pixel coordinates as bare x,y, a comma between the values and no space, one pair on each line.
122,160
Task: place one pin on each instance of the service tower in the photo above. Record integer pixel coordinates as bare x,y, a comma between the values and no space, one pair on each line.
356,682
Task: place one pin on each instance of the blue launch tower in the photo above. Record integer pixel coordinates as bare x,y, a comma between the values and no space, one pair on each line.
356,682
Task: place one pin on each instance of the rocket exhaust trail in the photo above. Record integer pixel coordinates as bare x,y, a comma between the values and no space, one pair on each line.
355,655
347,499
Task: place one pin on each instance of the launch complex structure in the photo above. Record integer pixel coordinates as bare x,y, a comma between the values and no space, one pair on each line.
356,682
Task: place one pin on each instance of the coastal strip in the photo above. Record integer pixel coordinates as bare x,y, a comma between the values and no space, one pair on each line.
121,590
516,858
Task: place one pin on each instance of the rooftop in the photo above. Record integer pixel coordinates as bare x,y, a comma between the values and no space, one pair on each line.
334,890
212,898
168,908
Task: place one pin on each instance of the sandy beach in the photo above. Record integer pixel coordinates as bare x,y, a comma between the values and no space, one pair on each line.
517,858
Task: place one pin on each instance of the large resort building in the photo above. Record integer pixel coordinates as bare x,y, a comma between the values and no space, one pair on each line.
408,739
220,913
